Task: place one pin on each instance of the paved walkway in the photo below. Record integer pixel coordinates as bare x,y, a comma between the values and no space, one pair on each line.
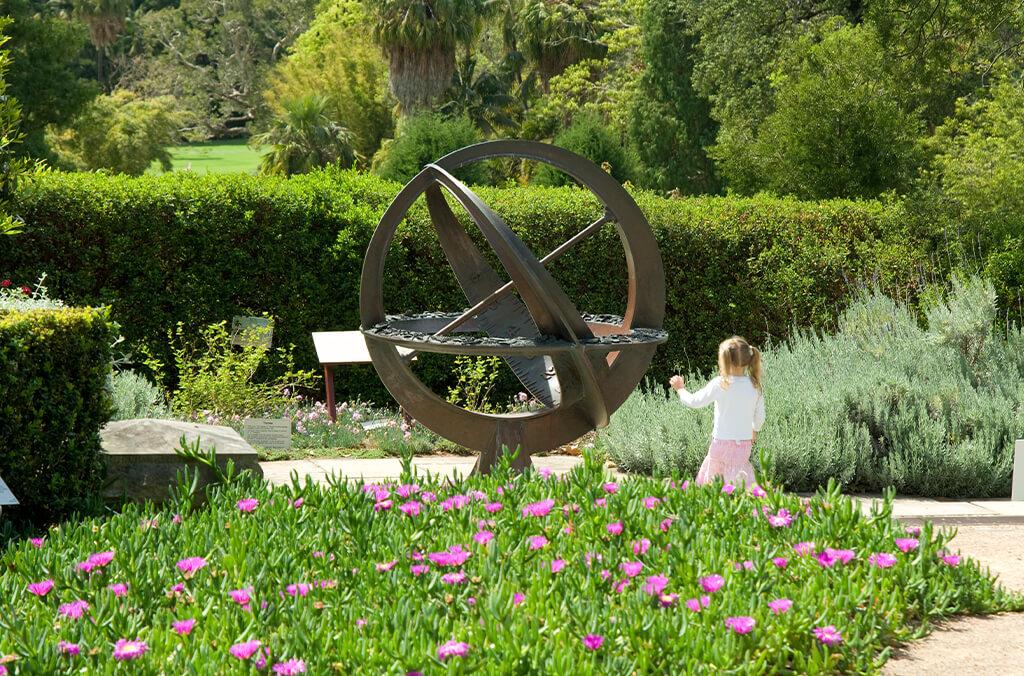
911,510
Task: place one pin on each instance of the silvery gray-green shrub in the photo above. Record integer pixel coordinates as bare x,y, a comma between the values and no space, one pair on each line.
134,396
932,410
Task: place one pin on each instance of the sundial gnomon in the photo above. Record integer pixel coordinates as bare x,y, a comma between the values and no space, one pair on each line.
579,367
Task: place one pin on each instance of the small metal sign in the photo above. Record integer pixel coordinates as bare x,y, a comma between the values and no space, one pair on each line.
268,432
6,496
1017,492
249,331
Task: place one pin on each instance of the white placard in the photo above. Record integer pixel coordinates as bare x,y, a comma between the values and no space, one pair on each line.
268,432
344,347
248,331
1017,492
6,496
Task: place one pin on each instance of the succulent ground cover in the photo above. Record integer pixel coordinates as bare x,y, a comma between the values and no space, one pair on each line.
499,574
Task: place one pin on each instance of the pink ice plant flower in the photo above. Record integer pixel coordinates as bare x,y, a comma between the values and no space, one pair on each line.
382,505
241,596
184,627
191,565
600,502
610,487
780,561
641,546
386,566
696,605
126,650
411,508
712,583
37,542
418,569
950,559
741,624
782,519
73,610
119,588
518,598
668,600
615,528
650,502
632,568
360,622
665,525
41,588
483,537
405,490
297,504
557,565
780,606
828,635
913,531
728,489
804,548
65,648
882,560
453,578
542,508
452,649
757,491
455,556
538,541
493,507
906,544
289,668
96,561
247,504
655,584
593,641
300,588
244,651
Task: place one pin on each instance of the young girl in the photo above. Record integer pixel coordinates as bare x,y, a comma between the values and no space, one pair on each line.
739,412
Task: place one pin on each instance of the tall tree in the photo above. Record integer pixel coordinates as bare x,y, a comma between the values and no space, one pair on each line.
304,138
556,34
420,38
105,19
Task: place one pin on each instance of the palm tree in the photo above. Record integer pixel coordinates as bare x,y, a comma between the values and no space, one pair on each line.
105,19
484,99
305,137
420,38
556,34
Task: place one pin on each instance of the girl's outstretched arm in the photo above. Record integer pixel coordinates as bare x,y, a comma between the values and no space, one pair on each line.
701,398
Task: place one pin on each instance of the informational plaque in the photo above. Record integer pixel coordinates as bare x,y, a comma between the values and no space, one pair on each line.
268,432
6,496
247,331
344,347
1017,492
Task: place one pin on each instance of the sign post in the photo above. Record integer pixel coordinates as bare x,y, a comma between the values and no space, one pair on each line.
334,348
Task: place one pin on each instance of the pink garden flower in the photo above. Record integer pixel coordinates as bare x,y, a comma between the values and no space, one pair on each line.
241,596
741,624
247,504
544,472
829,557
655,584
65,648
882,560
804,548
386,566
191,565
244,651
297,504
41,588
119,588
360,622
455,556
757,491
600,502
542,508
950,559
906,544
37,542
696,605
593,641
411,508
728,489
418,569
289,668
557,565
632,568
610,487
483,537
668,600
913,531
712,583
300,588
453,578
455,502
493,507
96,561
782,519
780,606
615,528
665,525
73,610
605,574
125,650
382,505
745,565
641,546
538,541
452,649
518,598
621,585
184,627
780,561
828,635
651,502
405,490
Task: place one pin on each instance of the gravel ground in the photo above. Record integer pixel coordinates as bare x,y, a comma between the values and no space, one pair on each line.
975,645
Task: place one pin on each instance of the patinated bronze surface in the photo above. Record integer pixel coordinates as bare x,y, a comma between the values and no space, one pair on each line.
580,367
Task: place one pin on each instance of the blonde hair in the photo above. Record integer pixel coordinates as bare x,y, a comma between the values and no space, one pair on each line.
736,353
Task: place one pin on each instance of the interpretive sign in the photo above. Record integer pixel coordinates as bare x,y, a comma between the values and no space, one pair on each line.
268,432
1017,492
334,348
6,496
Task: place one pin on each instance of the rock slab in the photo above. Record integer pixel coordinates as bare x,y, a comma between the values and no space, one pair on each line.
142,462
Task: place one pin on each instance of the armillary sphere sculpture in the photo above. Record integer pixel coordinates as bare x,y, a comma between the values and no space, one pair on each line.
580,367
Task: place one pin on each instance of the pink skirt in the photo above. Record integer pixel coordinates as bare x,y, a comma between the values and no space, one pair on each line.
728,459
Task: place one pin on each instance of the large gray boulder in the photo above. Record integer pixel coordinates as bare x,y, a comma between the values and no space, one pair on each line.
142,462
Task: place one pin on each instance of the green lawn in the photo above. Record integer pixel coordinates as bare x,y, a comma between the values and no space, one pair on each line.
215,157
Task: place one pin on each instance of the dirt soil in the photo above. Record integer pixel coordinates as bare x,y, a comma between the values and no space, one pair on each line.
990,645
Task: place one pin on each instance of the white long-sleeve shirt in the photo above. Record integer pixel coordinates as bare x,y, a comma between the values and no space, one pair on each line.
739,408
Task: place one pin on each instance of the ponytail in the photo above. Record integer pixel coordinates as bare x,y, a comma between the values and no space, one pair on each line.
754,367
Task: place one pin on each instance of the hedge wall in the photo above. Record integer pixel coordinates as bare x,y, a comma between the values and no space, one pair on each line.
54,366
199,249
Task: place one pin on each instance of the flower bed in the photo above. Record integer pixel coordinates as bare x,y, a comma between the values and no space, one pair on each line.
500,574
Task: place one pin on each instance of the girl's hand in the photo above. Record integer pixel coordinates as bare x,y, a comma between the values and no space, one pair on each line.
677,383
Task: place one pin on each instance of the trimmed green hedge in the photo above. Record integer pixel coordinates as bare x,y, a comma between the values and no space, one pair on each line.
199,249
54,366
